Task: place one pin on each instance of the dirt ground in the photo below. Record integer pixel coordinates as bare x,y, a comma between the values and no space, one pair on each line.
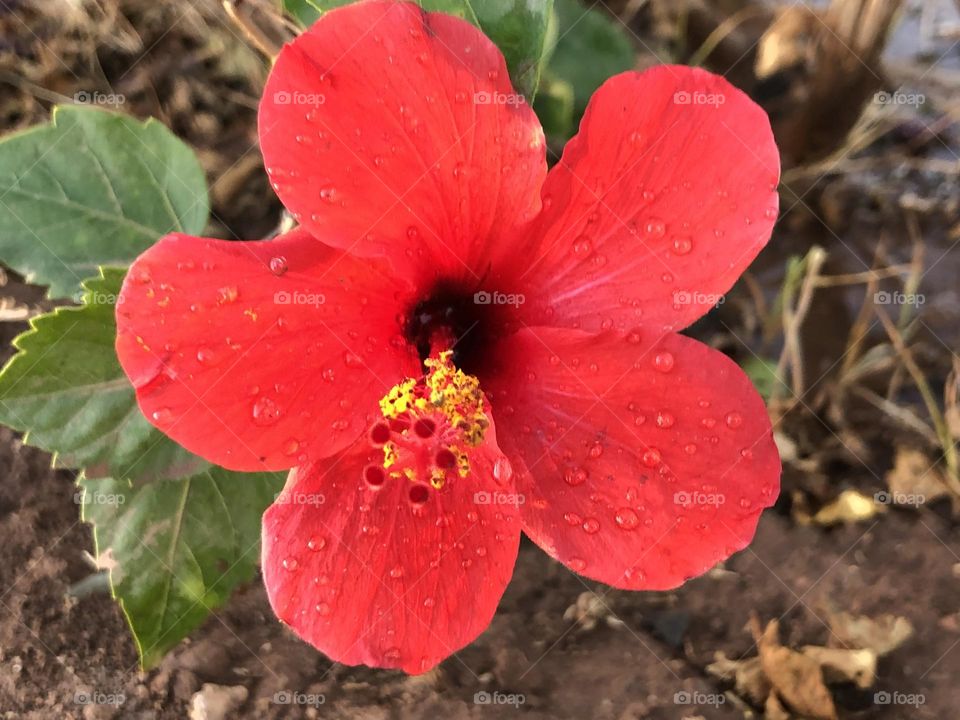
559,646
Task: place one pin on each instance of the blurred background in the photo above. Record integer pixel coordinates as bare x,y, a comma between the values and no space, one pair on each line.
847,604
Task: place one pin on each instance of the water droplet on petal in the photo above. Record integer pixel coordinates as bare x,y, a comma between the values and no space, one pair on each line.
581,246
266,411
733,420
278,265
655,228
663,362
627,518
682,245
651,457
162,415
290,564
664,419
591,525
206,356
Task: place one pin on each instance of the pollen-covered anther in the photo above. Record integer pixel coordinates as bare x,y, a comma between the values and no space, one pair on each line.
430,425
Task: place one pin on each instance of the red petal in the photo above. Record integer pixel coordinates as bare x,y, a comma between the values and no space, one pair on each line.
374,129
657,205
648,461
368,578
259,355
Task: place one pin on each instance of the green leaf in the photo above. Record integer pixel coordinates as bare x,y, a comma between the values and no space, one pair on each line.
590,48
66,390
93,188
175,550
763,374
554,107
517,27
306,12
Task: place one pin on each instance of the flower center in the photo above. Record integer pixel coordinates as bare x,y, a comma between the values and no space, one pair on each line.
429,426
451,317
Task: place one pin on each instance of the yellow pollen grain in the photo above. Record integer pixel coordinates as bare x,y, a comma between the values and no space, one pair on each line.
446,390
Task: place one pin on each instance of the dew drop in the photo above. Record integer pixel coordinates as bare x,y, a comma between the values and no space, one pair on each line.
290,564
575,476
665,419
627,518
396,572
663,362
206,356
733,420
655,228
316,544
577,564
278,265
591,525
651,457
682,245
162,415
581,246
502,470
291,446
265,411
322,608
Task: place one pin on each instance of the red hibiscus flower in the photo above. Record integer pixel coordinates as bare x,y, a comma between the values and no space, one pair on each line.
456,346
